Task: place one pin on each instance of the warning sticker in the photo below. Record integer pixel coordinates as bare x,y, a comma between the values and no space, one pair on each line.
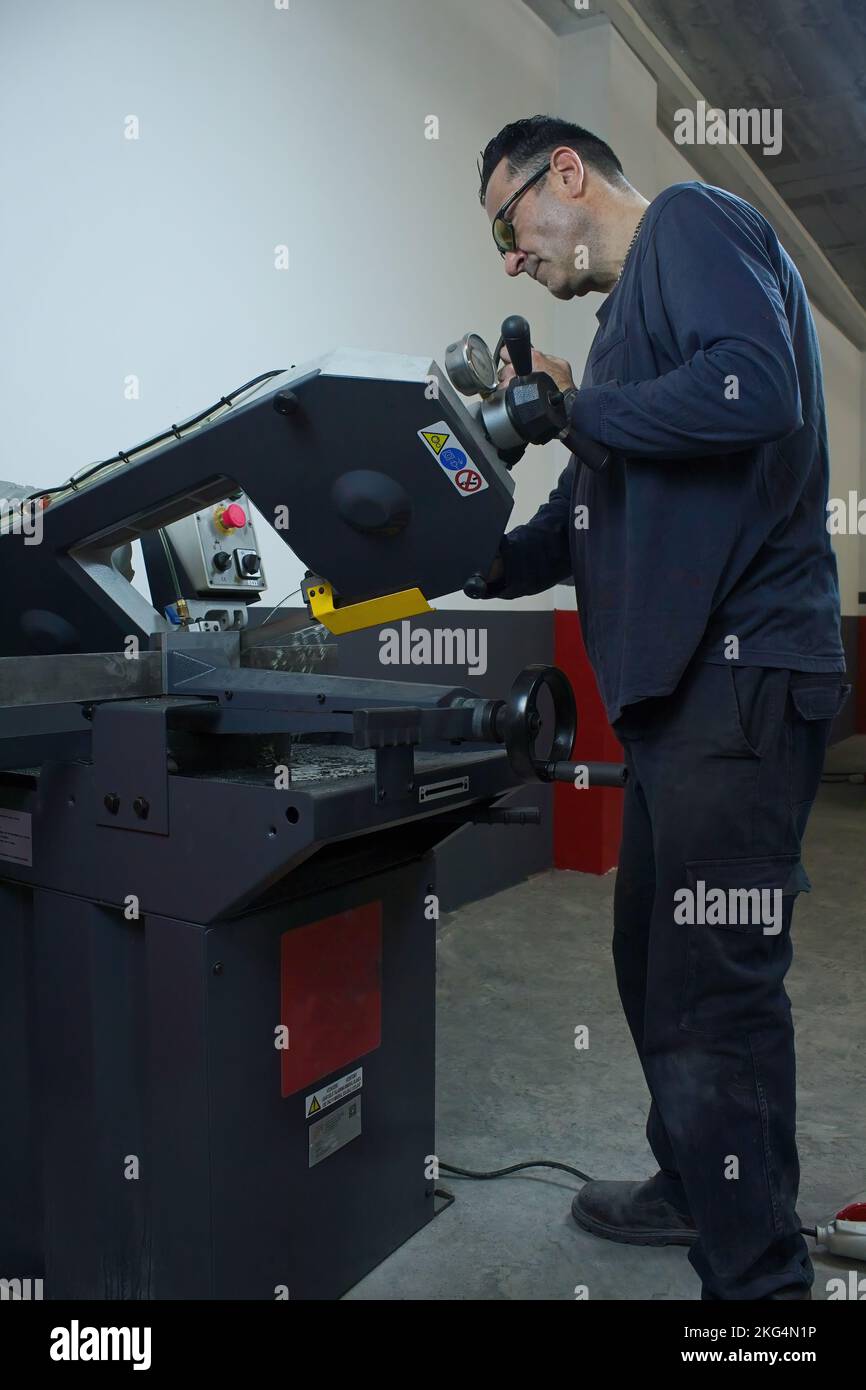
329,1095
16,837
436,441
452,458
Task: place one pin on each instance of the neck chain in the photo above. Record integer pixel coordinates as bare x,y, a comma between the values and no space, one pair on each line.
630,246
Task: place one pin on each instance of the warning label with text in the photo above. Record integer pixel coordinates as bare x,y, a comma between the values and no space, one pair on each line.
329,1095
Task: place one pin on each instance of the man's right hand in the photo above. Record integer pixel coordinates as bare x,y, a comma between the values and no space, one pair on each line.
555,367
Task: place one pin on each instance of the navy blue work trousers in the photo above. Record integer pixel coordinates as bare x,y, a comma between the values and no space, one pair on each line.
723,774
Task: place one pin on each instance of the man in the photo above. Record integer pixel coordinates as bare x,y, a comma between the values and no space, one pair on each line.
708,599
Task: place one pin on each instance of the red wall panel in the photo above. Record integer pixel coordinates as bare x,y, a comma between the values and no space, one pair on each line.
587,824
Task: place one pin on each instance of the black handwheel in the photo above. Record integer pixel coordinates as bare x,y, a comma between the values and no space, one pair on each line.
523,722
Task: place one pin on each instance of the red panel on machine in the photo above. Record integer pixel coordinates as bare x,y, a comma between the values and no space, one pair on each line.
331,994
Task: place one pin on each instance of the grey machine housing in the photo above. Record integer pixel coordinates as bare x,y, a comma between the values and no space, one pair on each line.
204,850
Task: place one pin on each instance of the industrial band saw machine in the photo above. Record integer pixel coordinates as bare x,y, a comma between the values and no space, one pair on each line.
217,881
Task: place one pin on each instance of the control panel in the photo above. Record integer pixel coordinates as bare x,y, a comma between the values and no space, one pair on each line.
218,548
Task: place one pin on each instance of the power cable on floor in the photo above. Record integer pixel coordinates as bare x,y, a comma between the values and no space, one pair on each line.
539,1163
515,1168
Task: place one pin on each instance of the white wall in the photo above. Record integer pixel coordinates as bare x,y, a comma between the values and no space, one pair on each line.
671,165
258,127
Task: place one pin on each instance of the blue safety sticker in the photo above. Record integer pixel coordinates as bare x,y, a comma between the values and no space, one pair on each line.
453,458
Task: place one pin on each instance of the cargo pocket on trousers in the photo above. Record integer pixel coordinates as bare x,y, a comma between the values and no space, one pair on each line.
815,702
737,916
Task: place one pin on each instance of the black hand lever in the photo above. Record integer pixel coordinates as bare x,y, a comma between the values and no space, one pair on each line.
597,774
516,337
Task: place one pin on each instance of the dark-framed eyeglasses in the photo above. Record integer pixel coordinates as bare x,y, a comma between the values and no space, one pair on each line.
503,227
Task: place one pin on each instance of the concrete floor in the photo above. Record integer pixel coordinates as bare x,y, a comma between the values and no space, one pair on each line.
517,973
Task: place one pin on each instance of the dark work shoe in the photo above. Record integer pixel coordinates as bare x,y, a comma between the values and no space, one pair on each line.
634,1213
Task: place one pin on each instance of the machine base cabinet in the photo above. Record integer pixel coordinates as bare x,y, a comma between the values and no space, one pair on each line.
237,1111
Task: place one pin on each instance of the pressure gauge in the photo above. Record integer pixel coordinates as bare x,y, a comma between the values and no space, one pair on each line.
469,364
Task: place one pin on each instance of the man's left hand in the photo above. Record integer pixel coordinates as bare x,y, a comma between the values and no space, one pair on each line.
555,367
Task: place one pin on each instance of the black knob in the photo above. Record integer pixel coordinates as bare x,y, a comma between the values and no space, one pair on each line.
286,403
517,338
222,560
475,586
371,502
250,564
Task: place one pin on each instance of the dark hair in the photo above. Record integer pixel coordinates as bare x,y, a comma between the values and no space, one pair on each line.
524,144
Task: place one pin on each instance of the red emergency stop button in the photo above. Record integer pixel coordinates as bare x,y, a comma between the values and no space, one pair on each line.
232,517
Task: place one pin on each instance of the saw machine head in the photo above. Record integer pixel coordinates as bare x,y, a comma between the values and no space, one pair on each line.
367,465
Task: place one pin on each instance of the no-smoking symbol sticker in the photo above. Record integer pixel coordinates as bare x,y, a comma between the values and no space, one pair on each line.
468,480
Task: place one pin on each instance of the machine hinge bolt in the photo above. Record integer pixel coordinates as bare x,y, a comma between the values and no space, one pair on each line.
111,802
141,807
286,402
218,968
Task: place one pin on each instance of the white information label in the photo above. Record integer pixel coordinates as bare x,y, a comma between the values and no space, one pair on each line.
329,1095
333,1131
452,459
16,837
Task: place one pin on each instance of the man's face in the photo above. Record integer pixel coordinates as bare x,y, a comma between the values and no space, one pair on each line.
551,220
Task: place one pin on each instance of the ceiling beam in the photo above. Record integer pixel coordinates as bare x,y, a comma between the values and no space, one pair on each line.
728,165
